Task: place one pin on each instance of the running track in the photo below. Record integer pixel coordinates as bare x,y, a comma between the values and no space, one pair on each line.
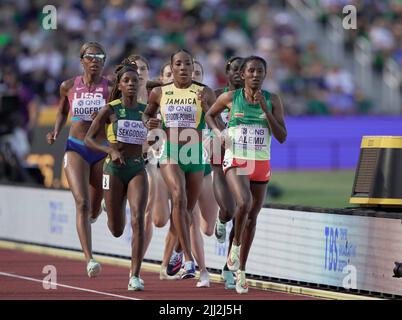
21,278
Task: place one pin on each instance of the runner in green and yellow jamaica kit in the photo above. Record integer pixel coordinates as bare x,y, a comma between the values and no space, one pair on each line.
182,105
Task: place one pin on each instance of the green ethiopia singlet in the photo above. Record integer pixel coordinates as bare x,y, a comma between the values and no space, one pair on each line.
249,129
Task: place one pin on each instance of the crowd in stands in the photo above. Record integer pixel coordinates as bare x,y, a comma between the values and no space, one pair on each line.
213,30
380,22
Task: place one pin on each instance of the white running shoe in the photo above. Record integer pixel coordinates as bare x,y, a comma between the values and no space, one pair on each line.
164,276
135,284
233,261
93,268
203,282
241,282
142,281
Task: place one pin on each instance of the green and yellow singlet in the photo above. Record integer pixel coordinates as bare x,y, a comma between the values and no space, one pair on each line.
181,108
129,127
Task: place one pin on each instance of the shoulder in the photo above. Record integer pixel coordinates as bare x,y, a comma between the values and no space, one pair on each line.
66,85
219,91
273,97
113,104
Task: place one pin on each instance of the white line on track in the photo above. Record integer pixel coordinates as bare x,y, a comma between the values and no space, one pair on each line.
5,274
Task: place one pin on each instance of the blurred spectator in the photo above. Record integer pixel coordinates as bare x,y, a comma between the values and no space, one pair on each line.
213,30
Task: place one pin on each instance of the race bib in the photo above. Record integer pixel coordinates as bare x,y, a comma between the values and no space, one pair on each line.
250,138
131,131
84,108
181,116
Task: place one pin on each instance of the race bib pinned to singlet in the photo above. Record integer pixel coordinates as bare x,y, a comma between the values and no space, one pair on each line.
131,131
181,116
86,103
250,138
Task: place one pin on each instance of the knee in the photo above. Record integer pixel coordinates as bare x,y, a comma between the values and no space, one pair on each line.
116,231
179,200
226,215
251,223
83,205
159,222
208,230
244,204
137,219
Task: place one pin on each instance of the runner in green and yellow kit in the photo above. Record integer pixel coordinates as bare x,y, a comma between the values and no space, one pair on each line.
182,104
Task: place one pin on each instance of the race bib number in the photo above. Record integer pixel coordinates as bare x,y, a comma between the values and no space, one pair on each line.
250,138
131,131
181,116
106,181
84,108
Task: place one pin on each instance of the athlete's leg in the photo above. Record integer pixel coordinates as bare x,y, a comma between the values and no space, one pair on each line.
115,200
208,206
95,189
259,193
239,186
197,242
170,243
151,173
77,172
137,198
223,195
176,182
160,209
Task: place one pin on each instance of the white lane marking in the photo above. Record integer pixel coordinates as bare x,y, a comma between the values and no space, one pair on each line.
66,286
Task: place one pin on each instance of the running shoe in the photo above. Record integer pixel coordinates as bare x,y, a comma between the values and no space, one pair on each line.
135,284
228,277
175,263
241,282
164,276
203,282
220,231
93,268
233,261
189,270
129,276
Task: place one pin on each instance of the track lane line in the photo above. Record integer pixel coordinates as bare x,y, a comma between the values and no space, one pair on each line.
11,275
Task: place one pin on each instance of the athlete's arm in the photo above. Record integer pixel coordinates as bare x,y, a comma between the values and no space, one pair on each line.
207,97
62,112
276,118
149,116
97,125
224,101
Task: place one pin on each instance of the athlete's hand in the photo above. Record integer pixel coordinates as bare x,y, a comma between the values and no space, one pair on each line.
202,96
51,137
153,123
260,98
117,157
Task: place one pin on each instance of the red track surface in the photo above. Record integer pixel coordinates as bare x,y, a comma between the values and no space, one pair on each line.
14,265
